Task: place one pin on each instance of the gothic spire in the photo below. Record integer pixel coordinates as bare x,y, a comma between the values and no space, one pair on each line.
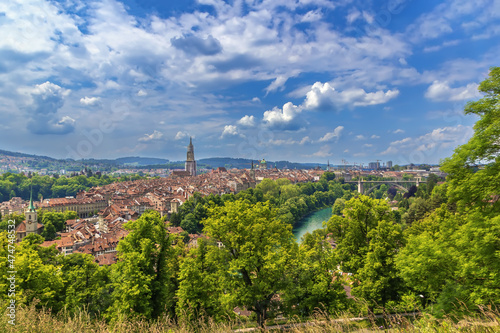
31,208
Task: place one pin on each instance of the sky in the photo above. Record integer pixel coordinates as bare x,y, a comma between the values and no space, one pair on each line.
299,80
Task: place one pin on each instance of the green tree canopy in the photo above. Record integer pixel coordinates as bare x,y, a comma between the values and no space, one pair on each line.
255,253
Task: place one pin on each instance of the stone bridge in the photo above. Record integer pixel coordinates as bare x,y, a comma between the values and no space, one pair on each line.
395,183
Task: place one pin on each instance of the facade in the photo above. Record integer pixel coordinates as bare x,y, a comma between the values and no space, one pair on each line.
374,165
190,165
389,164
84,207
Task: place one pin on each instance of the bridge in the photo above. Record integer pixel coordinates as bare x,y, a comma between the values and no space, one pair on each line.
395,183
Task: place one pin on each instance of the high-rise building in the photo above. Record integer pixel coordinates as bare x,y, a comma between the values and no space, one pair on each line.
389,164
374,165
190,165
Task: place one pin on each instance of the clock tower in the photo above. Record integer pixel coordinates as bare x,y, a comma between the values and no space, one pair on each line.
31,217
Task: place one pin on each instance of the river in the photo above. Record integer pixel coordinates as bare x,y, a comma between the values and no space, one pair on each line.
311,222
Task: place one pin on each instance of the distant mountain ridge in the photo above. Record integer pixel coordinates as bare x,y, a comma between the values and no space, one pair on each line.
144,162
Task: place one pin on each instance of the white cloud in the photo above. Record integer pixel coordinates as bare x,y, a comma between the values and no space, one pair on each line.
368,145
181,135
305,140
312,16
277,84
441,91
284,119
90,101
46,99
290,141
335,135
229,130
142,93
374,137
432,142
360,137
324,151
325,97
247,121
398,131
353,15
156,135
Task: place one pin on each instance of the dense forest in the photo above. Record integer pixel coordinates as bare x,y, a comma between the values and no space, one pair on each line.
439,253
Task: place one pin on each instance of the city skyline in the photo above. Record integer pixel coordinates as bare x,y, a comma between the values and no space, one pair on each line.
302,81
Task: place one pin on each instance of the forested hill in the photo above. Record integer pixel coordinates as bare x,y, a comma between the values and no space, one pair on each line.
245,163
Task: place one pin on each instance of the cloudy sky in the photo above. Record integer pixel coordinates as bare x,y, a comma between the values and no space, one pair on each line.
297,80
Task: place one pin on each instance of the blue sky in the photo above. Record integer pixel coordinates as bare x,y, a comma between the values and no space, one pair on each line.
297,80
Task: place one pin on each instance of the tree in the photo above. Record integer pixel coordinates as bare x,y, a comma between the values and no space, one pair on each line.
37,279
314,280
431,253
469,186
378,279
200,293
255,255
49,231
141,278
416,211
391,192
86,284
352,232
338,207
327,176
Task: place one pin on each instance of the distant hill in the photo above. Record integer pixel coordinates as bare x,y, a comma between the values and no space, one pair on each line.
156,163
16,154
135,160
243,163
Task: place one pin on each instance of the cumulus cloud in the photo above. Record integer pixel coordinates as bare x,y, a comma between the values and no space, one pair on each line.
181,135
398,131
332,136
156,135
325,97
247,121
440,138
197,46
284,119
441,91
360,137
375,136
90,101
229,130
142,93
47,98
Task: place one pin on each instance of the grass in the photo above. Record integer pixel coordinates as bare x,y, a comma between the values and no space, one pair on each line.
30,319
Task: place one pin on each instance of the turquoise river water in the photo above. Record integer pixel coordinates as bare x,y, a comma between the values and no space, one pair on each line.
311,222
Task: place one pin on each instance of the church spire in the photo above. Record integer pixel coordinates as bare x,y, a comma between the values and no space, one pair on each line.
31,207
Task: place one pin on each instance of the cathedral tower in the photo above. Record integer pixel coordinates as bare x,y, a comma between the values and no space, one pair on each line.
190,162
31,217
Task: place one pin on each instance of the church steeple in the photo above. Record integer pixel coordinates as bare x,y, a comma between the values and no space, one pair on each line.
31,207
31,216
190,161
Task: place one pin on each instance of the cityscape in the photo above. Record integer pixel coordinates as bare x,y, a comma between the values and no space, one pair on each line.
249,166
